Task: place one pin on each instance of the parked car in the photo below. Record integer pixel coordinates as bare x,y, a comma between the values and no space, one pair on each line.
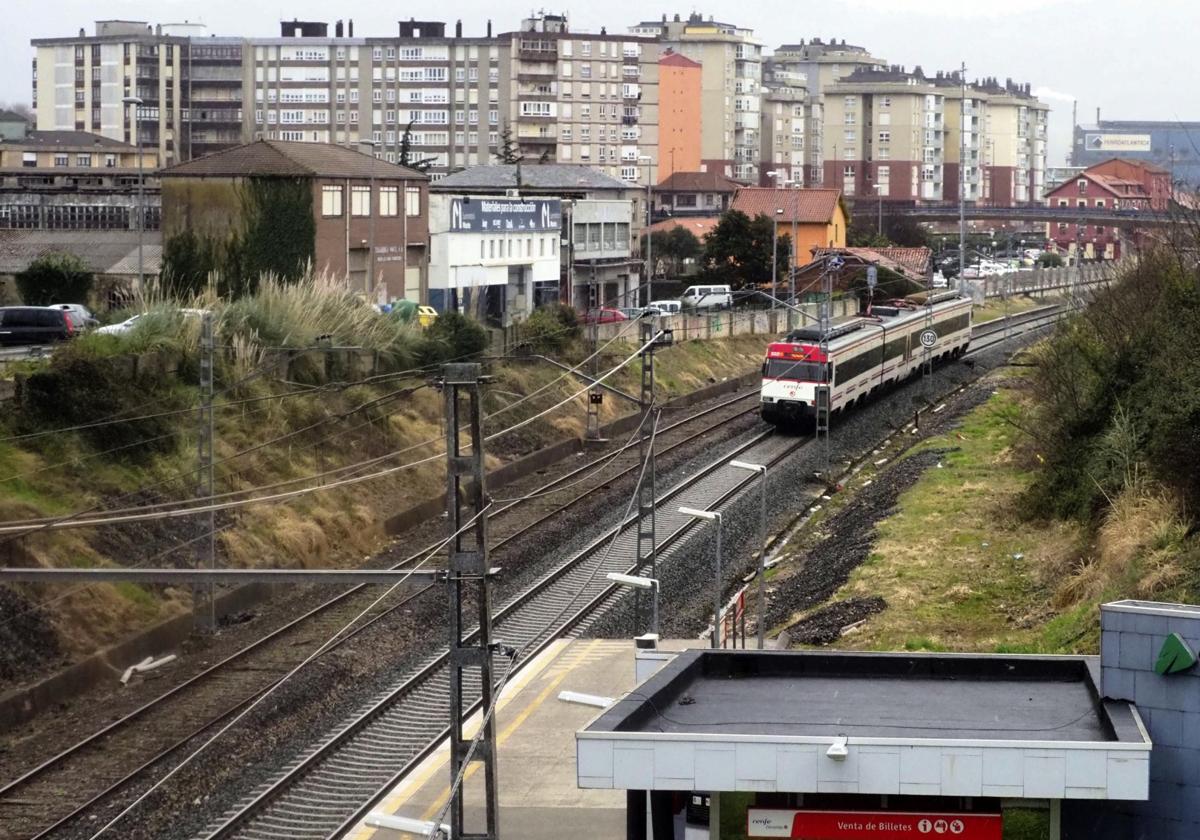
666,307
604,315
632,312
128,324
707,297
82,316
35,325
939,280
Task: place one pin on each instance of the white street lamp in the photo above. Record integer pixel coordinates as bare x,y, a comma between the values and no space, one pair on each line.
761,469
639,583
646,159
711,515
135,130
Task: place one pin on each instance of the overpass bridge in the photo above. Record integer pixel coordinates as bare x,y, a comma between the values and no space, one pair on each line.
948,212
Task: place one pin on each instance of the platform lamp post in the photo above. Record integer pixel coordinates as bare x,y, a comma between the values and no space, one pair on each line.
761,469
136,102
879,188
775,175
710,516
640,583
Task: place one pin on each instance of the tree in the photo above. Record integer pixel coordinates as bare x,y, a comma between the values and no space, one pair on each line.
55,278
864,232
673,246
186,263
510,150
738,251
1049,259
21,109
905,231
407,156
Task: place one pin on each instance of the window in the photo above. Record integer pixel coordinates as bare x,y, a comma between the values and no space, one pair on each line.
62,159
331,201
1082,182
389,201
86,160
849,135
850,102
412,201
360,201
30,159
885,136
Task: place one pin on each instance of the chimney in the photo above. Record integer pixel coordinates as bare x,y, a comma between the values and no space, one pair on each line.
350,29
338,30
489,28
158,29
458,28
1097,117
603,30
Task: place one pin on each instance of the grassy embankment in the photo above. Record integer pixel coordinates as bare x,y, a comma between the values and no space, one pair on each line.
1074,484
151,461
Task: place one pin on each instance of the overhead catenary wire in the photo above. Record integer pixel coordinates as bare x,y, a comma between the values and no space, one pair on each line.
284,679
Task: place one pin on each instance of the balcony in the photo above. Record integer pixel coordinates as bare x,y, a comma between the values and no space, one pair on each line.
629,119
531,72
537,50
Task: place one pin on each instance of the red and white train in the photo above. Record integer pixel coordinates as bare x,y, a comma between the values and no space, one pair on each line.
861,355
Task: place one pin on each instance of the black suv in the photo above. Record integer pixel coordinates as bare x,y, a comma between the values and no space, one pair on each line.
35,325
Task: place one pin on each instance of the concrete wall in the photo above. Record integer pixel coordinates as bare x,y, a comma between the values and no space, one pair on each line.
1132,632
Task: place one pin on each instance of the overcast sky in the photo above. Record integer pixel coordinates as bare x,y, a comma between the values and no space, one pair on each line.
1133,60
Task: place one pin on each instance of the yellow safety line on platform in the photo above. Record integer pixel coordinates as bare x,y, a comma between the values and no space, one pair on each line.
406,789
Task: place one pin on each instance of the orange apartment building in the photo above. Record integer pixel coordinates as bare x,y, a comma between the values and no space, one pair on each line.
678,115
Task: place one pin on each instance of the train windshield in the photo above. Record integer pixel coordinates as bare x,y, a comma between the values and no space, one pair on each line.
800,371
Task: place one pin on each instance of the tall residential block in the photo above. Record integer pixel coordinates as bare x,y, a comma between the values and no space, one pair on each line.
678,114
730,88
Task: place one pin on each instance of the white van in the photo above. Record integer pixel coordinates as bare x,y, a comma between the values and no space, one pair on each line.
666,307
707,297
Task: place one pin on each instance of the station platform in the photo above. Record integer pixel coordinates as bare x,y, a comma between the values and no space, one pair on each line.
539,796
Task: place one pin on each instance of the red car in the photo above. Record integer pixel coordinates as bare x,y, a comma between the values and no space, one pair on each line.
604,316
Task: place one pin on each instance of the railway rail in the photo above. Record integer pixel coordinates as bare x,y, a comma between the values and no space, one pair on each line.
126,750
326,789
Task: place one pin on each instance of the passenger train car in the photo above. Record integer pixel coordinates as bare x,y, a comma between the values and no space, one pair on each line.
861,354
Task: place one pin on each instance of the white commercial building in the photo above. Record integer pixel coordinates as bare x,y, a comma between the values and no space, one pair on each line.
496,257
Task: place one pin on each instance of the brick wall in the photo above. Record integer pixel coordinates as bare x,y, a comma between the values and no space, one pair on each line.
1132,632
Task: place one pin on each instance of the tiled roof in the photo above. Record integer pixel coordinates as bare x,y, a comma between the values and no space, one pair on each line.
11,116
537,176
811,206
674,59
104,252
913,263
67,140
700,226
713,182
290,159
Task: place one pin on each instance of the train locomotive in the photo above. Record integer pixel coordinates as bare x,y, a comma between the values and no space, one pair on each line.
860,355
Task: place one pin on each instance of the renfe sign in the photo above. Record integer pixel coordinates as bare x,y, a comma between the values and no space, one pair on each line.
871,825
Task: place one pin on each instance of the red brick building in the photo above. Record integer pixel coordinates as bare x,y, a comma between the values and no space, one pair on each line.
355,198
1116,184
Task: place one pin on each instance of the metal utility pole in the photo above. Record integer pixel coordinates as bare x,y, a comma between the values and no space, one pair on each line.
649,223
962,176
203,600
647,548
824,391
794,257
466,500
369,285
595,393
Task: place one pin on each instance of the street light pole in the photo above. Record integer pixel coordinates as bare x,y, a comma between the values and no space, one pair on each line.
136,102
762,543
712,515
649,223
774,176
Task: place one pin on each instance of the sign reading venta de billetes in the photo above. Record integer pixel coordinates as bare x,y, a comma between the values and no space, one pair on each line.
871,825
480,215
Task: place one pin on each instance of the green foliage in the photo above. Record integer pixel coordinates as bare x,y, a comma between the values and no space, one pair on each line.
78,389
738,251
55,278
1118,392
1048,259
673,247
905,231
864,229
278,233
187,261
510,150
452,336
551,329
407,157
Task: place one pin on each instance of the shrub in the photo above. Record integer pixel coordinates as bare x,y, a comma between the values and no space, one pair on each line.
453,336
55,278
1050,260
551,328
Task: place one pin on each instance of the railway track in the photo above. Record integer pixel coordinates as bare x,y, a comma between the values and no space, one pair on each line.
126,750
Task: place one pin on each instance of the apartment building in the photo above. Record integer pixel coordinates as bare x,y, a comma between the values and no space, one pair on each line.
812,65
783,135
885,135
79,83
730,88
587,98
678,114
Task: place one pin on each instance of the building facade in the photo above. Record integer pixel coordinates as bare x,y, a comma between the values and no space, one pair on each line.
678,114
730,88
370,217
1170,144
694,194
1115,184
